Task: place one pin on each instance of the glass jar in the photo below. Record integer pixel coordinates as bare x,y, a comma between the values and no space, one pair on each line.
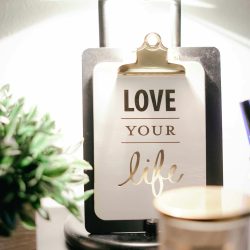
203,218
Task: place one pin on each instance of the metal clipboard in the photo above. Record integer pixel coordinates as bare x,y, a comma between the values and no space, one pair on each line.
153,59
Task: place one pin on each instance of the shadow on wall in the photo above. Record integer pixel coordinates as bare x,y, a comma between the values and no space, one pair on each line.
16,15
233,16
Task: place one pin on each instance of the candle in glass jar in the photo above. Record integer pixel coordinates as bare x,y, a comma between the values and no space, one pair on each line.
203,218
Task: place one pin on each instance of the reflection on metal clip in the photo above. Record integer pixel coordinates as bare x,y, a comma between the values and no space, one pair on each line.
151,59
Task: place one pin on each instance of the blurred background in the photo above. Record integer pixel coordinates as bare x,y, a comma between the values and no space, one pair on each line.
41,44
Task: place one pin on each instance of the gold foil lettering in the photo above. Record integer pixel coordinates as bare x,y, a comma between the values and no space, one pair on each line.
157,180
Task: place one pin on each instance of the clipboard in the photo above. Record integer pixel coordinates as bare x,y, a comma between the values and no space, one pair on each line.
152,61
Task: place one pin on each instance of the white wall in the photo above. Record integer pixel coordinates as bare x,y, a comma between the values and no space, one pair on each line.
225,25
41,43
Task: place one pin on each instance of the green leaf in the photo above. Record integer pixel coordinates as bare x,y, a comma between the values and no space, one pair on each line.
27,221
33,199
4,119
5,88
9,219
22,195
46,123
39,143
33,182
9,197
26,161
85,196
6,163
74,210
11,152
73,148
81,164
43,213
21,184
10,142
79,178
14,118
57,196
55,171
32,114
27,130
39,171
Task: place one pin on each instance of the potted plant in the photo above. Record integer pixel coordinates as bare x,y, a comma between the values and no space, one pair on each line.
33,167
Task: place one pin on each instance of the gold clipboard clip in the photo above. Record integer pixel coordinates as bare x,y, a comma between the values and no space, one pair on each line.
151,59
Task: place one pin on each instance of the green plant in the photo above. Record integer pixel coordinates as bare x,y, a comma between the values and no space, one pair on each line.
32,167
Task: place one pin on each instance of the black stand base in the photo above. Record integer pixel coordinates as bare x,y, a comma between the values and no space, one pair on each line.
77,238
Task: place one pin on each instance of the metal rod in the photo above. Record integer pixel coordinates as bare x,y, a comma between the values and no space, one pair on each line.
176,22
102,24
